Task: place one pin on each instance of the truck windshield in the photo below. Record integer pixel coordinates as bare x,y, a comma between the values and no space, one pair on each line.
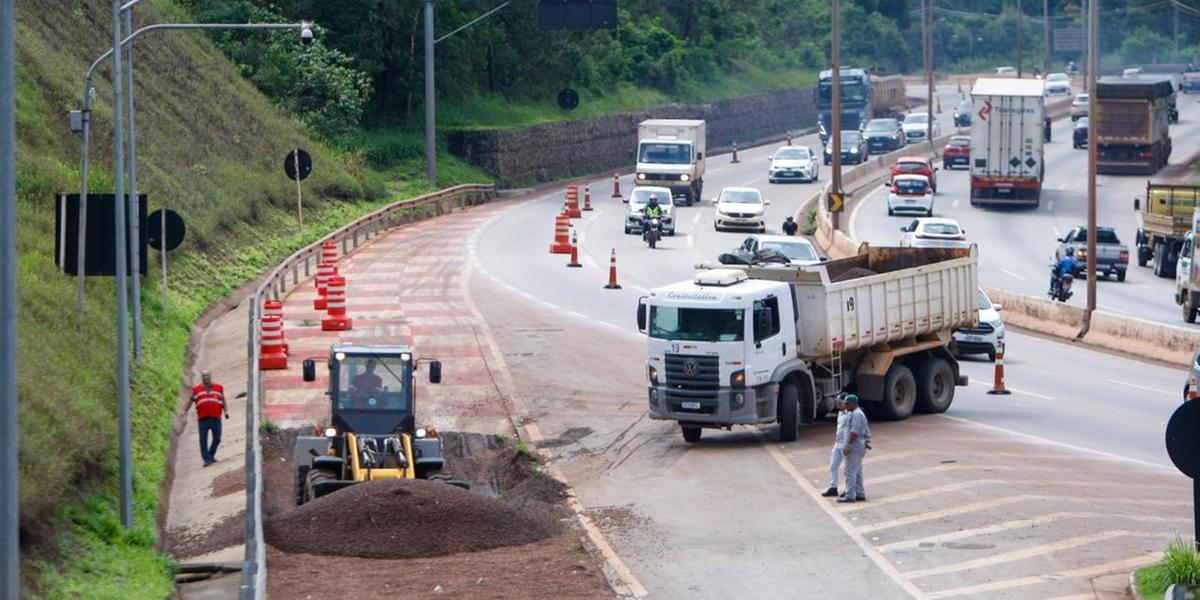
665,153
373,383
697,324
852,92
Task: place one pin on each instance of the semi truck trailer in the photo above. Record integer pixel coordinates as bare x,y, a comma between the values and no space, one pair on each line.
761,344
863,97
1007,135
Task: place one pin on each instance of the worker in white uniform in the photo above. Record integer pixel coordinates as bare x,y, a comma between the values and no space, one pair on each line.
858,436
835,457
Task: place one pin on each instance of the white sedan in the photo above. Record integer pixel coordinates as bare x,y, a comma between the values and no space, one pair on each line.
793,163
741,208
916,125
910,193
798,250
933,233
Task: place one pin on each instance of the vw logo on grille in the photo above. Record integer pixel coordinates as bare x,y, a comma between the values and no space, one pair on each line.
690,368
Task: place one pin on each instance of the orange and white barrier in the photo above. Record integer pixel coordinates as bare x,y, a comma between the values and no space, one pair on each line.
275,308
271,355
998,383
324,272
337,319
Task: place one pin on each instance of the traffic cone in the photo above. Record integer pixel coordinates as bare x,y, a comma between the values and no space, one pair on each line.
587,196
735,158
574,251
324,272
337,319
616,185
998,383
789,138
329,252
562,240
275,308
271,356
573,201
612,272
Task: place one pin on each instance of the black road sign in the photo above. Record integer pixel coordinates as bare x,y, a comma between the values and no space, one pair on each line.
175,229
568,99
1183,442
101,251
289,165
577,14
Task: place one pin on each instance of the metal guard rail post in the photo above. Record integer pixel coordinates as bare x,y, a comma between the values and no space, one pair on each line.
350,237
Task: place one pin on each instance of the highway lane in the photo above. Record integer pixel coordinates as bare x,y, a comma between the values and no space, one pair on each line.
1016,245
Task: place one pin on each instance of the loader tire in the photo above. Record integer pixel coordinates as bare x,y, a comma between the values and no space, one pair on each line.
789,412
899,393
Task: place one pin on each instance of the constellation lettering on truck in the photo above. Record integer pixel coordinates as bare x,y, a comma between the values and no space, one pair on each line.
695,296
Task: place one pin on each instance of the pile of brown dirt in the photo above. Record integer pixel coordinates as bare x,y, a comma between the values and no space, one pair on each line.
408,519
852,273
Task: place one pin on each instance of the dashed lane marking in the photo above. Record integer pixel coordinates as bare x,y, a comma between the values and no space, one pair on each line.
1142,387
1014,275
988,384
957,203
696,219
846,526
1117,566
691,242
1031,552
963,534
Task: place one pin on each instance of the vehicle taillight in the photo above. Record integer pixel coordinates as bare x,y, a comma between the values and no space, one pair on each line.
1124,256
1147,154
895,190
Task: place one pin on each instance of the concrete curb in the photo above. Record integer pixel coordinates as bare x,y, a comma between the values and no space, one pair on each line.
1133,586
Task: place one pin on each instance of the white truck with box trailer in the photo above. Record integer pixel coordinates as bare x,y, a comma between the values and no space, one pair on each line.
1007,135
759,344
671,154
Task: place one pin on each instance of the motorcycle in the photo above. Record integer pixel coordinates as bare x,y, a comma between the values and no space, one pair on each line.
1060,288
652,234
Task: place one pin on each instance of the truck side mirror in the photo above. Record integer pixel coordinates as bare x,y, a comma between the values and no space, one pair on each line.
435,371
641,314
310,370
1137,203
699,156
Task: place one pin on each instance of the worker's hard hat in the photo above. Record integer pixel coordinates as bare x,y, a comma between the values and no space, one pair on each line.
850,399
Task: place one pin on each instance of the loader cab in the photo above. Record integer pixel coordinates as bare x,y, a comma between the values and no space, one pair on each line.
371,389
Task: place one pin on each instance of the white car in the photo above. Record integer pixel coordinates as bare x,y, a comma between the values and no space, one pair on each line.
793,163
910,193
741,208
915,125
983,338
1057,83
636,203
933,233
1006,71
1079,107
798,250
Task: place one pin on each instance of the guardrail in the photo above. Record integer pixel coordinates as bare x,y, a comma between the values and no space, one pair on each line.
275,286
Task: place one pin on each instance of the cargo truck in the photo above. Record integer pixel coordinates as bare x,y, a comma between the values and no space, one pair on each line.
1007,140
1166,213
760,344
1187,273
863,97
1131,122
671,154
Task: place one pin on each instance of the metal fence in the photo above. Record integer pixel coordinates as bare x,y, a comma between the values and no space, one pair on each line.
275,286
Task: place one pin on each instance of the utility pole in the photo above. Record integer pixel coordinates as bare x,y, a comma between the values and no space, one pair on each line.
928,21
1045,36
1020,39
835,136
1175,36
135,236
10,532
122,271
430,100
1093,32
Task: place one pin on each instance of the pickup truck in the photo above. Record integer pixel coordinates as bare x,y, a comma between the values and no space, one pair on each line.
1112,257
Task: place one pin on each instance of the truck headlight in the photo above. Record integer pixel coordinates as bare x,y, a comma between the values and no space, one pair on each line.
641,176
739,400
685,177
653,375
330,432
421,433
737,380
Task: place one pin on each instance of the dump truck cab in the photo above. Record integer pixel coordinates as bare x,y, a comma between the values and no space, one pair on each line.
372,432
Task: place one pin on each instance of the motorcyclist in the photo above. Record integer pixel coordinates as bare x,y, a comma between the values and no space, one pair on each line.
1065,265
652,211
790,226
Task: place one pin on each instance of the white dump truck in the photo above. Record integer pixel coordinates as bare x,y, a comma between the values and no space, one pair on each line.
671,155
759,344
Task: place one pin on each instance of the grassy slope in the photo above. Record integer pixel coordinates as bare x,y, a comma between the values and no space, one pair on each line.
210,148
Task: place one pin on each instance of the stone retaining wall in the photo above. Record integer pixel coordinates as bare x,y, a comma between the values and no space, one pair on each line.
551,150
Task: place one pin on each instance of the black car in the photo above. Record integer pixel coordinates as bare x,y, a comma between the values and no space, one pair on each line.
1081,133
884,135
962,113
854,148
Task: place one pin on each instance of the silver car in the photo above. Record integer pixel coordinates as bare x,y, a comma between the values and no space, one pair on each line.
637,201
793,163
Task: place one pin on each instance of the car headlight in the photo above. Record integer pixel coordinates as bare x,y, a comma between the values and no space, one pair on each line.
997,324
854,151
641,176
685,177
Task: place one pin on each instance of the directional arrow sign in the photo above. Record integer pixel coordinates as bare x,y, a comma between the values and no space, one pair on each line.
836,202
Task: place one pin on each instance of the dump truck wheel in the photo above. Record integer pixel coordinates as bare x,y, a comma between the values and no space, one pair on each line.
935,386
691,433
789,411
899,393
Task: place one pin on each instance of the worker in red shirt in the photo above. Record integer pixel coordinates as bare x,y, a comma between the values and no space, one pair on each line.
366,386
209,399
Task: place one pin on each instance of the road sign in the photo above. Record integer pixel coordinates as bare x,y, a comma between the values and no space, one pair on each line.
175,229
289,165
1070,39
577,14
568,99
836,202
100,258
1183,445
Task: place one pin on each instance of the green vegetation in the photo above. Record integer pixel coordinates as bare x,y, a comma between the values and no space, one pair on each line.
268,426
210,147
1180,565
810,223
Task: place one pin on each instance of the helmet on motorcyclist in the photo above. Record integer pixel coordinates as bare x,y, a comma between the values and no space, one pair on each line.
1070,251
653,201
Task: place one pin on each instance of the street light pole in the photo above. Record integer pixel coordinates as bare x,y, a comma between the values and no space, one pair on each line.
929,72
10,533
1093,32
430,99
135,270
1020,39
1045,36
835,104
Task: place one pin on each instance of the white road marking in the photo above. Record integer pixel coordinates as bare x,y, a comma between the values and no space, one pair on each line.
1143,388
1062,186
696,219
1013,275
1014,390
690,241
957,202
1110,309
1118,566
847,527
1037,550
1050,206
963,534
1057,233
